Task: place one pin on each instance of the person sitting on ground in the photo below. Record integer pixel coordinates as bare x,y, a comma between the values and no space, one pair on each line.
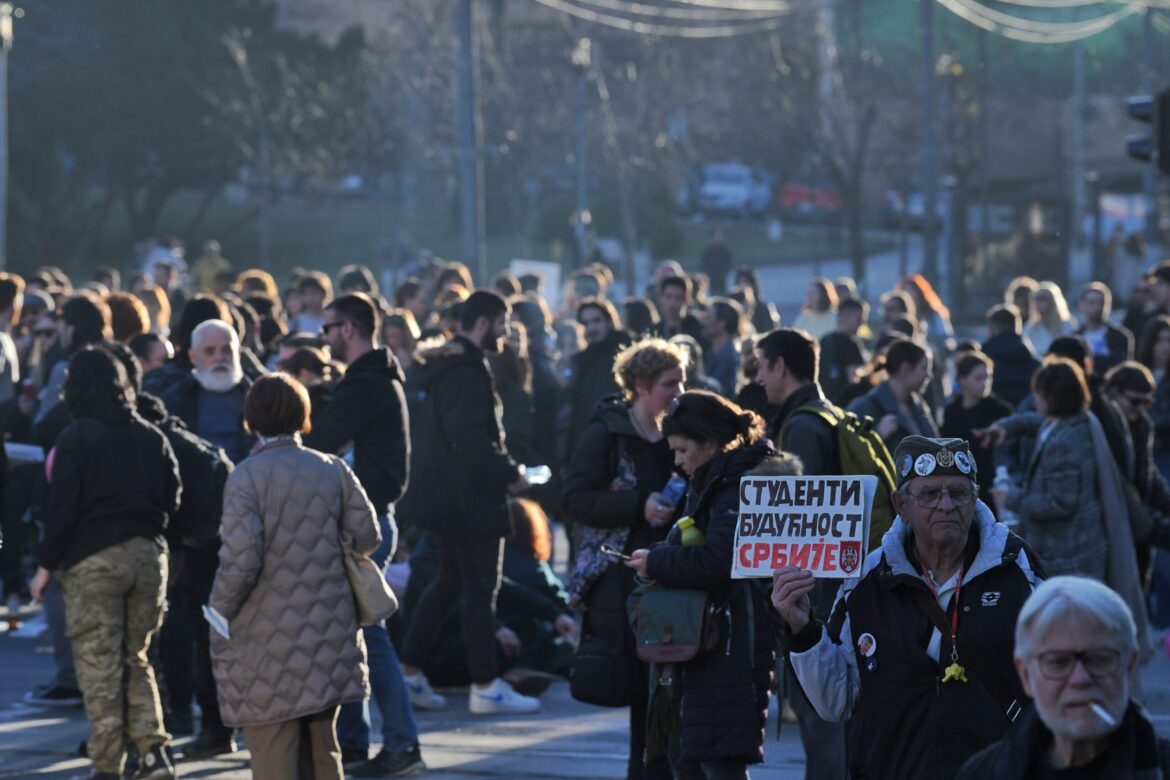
1077,656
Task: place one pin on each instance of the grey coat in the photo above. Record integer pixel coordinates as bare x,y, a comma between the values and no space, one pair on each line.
295,648
1060,503
880,401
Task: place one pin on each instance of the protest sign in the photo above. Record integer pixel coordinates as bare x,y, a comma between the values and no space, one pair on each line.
820,524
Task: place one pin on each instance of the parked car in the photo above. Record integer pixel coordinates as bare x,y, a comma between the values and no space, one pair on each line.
818,202
728,189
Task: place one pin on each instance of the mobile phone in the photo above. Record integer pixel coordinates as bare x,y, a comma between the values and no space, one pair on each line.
611,552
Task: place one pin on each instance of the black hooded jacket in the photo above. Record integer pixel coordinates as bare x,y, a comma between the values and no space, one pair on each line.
368,408
1014,366
114,477
588,499
460,462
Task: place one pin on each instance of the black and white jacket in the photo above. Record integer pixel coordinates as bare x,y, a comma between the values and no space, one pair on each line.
881,660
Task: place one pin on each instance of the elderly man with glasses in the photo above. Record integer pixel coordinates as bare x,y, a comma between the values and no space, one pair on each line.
918,649
1077,656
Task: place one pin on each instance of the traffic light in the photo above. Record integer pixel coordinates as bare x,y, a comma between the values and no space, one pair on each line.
1155,147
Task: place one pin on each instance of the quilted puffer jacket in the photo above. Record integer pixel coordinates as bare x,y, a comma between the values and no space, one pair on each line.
295,648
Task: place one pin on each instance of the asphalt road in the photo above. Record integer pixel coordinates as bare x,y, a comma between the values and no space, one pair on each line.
565,740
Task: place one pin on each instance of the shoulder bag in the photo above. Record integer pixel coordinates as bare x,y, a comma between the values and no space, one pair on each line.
673,625
372,596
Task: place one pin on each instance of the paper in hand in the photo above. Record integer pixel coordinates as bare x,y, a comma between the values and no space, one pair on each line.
216,621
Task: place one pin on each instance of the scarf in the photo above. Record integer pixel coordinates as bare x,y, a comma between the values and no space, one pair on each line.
1121,568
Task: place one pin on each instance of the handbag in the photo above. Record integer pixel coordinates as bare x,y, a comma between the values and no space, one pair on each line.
372,596
601,672
674,625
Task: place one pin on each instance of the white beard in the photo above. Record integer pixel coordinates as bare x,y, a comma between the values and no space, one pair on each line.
219,379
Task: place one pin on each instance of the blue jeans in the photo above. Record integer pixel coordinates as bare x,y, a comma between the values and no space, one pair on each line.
399,731
62,648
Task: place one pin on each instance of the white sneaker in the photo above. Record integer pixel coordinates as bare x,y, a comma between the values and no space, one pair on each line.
422,696
499,698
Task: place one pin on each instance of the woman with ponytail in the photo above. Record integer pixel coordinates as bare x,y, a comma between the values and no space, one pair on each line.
719,729
896,405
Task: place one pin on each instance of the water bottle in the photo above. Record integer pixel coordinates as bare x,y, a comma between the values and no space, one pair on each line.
690,534
537,475
1003,481
674,490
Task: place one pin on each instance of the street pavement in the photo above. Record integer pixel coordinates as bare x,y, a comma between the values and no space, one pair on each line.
566,740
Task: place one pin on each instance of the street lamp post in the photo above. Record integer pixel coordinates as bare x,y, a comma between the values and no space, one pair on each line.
582,59
8,12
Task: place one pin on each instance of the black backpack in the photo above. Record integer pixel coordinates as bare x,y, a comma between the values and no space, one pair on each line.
203,470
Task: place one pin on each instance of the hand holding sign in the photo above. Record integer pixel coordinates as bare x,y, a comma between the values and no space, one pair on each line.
790,588
819,524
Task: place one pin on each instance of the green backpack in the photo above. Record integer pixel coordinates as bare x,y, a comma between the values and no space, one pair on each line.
862,452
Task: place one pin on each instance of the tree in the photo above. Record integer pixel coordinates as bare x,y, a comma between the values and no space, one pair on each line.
118,106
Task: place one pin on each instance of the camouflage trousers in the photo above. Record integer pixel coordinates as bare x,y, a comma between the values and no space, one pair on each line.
114,603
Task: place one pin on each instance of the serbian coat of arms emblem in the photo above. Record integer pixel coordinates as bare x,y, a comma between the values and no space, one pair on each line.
849,555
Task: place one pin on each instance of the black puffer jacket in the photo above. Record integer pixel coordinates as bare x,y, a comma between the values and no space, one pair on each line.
588,498
461,465
725,694
368,408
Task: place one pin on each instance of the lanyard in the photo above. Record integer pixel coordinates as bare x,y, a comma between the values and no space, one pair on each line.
954,671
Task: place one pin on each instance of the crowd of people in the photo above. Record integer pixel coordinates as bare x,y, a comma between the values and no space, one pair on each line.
211,446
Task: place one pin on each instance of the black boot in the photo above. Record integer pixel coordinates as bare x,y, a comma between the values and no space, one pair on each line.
210,743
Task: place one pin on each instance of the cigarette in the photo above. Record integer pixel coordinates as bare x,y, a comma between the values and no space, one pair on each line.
1102,713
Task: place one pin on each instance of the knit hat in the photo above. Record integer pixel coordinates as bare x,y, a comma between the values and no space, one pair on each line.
919,456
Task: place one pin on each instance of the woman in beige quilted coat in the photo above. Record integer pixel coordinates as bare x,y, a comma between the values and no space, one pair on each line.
295,653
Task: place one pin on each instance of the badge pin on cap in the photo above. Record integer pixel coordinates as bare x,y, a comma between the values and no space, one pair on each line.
925,465
907,464
963,462
946,458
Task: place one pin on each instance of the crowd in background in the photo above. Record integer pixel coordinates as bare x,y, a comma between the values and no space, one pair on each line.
1067,415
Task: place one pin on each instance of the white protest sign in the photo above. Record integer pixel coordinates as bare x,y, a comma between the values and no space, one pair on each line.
549,272
820,524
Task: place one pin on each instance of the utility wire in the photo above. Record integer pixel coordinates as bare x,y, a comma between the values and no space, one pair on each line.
1031,30
736,5
686,14
666,30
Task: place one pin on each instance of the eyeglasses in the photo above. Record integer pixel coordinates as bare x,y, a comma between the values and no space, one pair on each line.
1140,400
45,332
1059,664
328,326
932,497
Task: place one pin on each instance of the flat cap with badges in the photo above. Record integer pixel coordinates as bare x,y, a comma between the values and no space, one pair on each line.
919,456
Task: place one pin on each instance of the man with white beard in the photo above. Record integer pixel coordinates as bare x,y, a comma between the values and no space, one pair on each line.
211,400
1077,656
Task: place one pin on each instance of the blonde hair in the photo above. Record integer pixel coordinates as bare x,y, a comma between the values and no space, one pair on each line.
1059,314
645,360
158,307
